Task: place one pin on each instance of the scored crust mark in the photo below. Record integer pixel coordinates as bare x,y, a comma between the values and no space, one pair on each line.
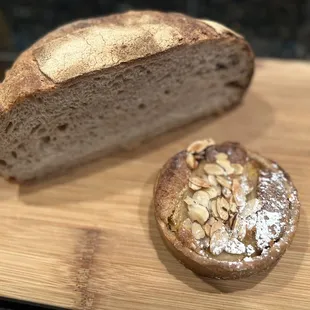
239,211
101,47
98,45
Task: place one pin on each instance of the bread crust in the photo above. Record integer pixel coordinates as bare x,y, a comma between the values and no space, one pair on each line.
41,68
171,182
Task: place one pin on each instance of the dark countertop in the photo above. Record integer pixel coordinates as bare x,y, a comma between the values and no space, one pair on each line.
275,28
11,304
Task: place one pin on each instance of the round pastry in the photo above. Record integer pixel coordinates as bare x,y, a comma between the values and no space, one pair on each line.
225,212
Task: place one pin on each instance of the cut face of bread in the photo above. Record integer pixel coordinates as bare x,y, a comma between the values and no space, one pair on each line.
225,212
71,114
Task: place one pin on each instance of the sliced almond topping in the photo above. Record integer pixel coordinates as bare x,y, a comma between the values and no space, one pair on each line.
232,220
219,241
207,228
217,225
224,163
212,192
223,214
226,192
199,146
211,221
220,204
193,186
202,198
239,229
191,162
198,231
238,193
214,209
198,213
248,189
250,250
251,208
212,180
224,181
218,190
246,186
199,182
189,201
238,169
234,246
214,169
220,156
187,224
225,204
233,207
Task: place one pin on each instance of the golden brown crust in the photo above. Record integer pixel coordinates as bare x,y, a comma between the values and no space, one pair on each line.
33,72
171,180
166,195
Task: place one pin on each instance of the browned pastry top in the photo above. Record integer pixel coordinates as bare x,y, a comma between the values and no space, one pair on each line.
227,208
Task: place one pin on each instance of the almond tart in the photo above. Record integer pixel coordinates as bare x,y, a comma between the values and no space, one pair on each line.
224,211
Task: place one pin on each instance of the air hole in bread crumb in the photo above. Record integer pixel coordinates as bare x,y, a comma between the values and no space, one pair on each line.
14,154
220,66
21,147
34,129
167,91
62,127
101,117
235,84
8,127
3,163
97,78
148,71
46,139
41,130
199,72
234,59
141,106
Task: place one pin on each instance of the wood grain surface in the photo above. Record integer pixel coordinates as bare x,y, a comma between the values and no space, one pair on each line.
88,240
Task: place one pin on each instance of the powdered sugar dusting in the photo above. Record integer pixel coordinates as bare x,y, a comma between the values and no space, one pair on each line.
251,221
273,196
245,185
234,246
219,241
250,250
268,228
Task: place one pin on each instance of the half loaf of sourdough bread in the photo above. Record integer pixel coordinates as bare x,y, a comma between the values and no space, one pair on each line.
100,84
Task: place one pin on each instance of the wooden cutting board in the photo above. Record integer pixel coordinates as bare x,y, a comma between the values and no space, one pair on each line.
89,241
